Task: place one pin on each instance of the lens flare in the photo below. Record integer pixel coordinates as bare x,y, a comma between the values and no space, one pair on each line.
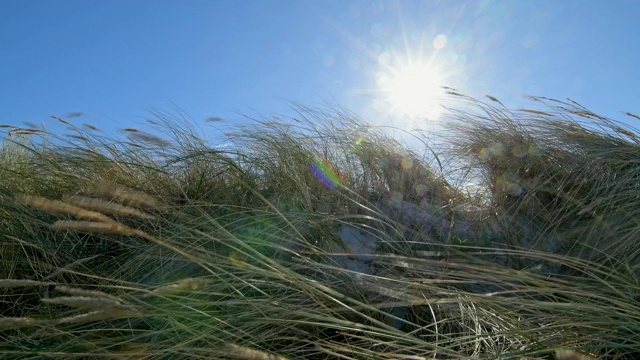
325,173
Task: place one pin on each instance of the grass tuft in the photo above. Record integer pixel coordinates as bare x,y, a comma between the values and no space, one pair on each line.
510,235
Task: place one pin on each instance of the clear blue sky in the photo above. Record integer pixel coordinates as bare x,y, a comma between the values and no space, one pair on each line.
112,60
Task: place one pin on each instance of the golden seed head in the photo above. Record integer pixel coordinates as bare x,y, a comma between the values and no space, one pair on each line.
104,206
93,226
127,196
61,208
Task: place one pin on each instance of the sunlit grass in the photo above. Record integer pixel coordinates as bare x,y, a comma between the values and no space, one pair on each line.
167,247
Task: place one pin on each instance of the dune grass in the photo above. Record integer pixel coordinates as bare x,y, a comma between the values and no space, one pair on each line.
146,247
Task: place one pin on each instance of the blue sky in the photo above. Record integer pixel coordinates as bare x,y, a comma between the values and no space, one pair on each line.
114,60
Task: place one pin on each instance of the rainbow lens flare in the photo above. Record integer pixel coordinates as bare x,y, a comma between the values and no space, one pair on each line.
325,173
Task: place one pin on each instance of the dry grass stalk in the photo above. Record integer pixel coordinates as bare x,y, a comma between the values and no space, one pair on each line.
87,293
128,196
61,208
104,206
83,302
16,322
98,227
12,283
245,353
190,284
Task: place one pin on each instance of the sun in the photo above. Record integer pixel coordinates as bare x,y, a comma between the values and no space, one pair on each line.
415,90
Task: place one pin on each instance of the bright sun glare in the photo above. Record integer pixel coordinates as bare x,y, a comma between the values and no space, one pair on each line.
415,90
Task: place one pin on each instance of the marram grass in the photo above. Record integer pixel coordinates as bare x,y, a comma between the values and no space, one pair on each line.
512,235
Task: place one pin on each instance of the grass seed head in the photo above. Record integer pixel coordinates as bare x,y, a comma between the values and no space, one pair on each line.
61,120
94,226
99,227
17,322
13,283
104,206
245,353
148,138
87,293
185,285
100,315
90,127
572,355
61,208
82,302
127,196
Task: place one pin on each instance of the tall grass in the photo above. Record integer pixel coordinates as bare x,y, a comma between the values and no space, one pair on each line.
168,247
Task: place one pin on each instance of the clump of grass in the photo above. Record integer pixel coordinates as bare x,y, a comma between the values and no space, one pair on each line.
562,180
201,252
